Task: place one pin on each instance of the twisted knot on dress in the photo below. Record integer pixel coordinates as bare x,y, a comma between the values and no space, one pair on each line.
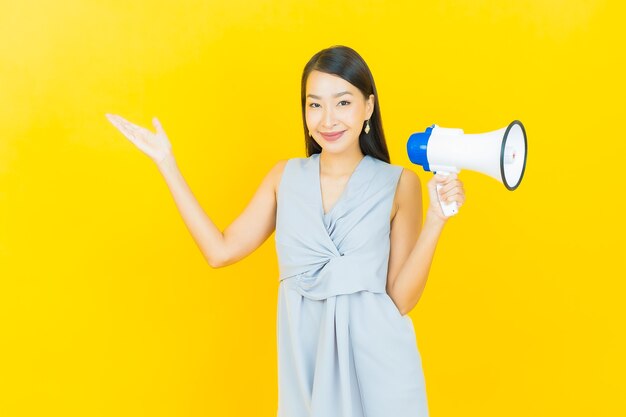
337,274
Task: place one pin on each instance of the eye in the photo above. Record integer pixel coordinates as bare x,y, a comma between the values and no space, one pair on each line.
344,101
312,105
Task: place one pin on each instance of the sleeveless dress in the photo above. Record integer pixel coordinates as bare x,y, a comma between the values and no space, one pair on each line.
344,349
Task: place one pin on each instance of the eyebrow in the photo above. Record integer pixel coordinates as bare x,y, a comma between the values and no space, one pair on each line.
336,95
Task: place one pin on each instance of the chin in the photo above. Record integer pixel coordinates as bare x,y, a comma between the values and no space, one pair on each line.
339,149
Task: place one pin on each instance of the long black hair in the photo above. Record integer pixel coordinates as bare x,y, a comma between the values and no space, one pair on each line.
346,63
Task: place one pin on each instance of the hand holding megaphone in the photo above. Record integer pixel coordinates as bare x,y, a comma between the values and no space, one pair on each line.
446,194
501,154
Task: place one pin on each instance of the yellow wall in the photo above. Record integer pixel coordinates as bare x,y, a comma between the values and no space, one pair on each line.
107,307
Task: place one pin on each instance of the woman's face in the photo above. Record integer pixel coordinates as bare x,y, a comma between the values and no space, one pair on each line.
334,105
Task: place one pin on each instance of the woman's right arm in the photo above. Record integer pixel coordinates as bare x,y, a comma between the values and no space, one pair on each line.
253,226
244,235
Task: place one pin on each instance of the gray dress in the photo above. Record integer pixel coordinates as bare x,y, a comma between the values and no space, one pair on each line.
344,349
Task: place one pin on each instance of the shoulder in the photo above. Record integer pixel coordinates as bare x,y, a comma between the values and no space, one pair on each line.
408,181
408,190
295,164
278,170
279,166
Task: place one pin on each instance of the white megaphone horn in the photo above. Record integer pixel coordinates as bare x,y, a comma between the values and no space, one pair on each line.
501,154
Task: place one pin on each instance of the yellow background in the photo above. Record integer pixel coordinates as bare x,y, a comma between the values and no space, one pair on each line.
107,307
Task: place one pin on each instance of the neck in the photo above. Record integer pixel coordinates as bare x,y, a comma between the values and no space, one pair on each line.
342,164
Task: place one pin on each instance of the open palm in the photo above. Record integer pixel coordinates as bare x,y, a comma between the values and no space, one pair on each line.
156,145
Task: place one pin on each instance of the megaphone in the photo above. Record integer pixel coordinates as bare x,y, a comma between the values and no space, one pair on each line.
501,154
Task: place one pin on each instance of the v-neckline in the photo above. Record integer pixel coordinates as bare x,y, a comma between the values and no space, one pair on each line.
320,198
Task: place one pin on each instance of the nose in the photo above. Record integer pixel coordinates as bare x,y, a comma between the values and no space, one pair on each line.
328,120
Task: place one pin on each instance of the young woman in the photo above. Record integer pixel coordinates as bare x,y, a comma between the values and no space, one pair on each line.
353,254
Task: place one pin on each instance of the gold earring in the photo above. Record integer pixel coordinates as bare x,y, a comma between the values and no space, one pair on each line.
367,127
310,134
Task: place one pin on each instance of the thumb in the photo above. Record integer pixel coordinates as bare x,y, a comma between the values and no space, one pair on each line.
157,124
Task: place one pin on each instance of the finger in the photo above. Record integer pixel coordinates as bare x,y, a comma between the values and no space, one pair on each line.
451,178
142,145
115,117
157,124
447,179
128,133
119,118
137,131
126,130
455,195
455,184
122,127
126,123
111,118
120,124
446,187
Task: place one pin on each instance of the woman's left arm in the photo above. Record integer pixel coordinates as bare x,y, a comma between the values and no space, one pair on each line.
413,245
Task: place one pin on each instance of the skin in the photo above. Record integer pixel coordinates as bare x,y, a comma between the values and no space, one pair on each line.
412,244
329,113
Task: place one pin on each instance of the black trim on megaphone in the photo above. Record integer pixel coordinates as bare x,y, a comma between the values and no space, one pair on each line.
506,134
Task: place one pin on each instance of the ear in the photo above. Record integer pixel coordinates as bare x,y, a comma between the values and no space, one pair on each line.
369,105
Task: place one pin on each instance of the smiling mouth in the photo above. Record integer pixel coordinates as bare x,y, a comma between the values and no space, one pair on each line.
333,135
